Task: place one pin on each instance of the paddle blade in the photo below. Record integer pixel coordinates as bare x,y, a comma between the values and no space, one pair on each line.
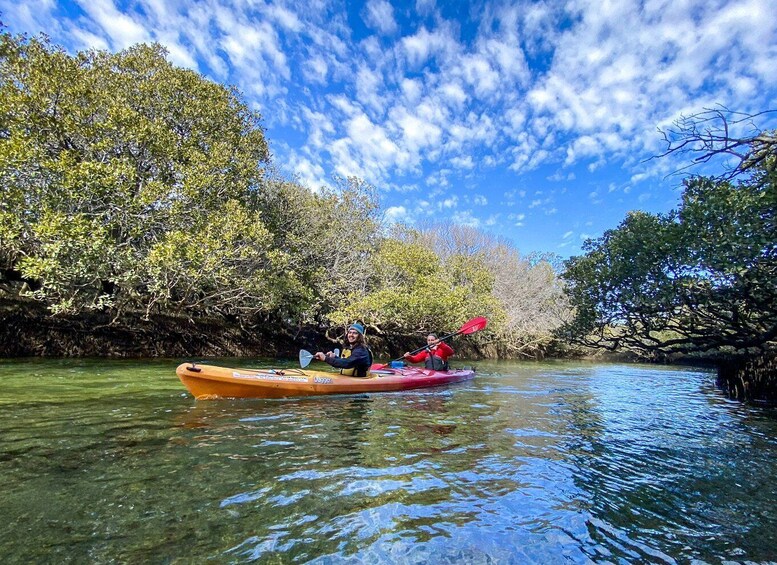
304,358
336,352
474,325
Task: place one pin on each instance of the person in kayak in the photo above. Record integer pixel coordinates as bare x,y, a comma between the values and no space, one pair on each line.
434,356
355,358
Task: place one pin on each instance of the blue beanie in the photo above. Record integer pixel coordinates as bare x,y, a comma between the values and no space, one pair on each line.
358,327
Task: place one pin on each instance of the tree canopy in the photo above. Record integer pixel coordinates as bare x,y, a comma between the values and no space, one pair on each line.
126,180
701,278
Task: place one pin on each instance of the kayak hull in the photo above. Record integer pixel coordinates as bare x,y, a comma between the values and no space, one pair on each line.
211,382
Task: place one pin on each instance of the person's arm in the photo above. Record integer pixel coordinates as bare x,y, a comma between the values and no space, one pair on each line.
418,357
321,356
359,356
444,350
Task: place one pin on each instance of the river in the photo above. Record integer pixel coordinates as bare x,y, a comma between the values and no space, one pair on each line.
108,461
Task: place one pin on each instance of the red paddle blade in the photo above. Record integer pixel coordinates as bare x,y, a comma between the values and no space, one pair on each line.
474,325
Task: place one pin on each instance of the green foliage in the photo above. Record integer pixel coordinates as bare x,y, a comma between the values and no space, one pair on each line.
105,159
414,290
230,267
68,260
525,299
701,278
341,234
329,235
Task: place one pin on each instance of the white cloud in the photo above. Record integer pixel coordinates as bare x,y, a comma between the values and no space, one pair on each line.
368,85
417,132
121,28
284,17
412,89
86,39
478,74
344,105
320,128
439,178
448,203
396,214
379,15
509,58
517,219
425,7
315,70
371,138
453,92
425,45
306,171
466,218
464,162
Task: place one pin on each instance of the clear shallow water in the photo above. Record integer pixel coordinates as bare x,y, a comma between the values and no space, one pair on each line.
112,461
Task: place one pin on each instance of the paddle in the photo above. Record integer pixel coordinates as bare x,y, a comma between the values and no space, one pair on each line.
305,357
472,326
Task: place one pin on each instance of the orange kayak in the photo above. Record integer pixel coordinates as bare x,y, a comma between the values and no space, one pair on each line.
210,381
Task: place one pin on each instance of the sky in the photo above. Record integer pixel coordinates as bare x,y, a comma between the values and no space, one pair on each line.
533,121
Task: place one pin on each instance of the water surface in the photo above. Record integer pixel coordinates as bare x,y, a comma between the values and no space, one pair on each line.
553,462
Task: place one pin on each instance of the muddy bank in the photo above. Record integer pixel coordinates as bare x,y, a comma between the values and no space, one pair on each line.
28,330
32,332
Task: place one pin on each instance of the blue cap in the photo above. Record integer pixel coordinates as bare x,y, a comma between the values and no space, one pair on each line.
358,327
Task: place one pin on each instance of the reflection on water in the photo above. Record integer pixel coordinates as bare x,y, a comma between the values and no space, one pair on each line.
111,461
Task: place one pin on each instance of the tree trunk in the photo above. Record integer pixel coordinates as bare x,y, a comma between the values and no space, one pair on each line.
750,380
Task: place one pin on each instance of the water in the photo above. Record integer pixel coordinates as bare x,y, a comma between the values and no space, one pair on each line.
113,462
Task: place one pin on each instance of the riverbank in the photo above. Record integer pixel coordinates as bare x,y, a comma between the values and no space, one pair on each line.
29,330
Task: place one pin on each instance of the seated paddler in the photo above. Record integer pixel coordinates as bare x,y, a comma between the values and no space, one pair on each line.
355,358
434,356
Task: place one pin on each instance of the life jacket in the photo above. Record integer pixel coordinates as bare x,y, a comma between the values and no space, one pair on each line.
434,362
354,371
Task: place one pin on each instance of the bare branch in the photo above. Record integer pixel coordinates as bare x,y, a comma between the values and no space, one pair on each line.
720,132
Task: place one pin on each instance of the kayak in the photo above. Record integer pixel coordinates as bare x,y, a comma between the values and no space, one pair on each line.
210,381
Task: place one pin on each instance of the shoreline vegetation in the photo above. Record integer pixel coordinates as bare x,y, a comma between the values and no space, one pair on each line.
135,225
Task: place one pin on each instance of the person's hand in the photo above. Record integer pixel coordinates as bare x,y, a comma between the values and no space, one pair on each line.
330,354
319,356
406,355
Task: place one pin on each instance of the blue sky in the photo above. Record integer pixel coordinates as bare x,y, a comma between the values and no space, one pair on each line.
529,120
